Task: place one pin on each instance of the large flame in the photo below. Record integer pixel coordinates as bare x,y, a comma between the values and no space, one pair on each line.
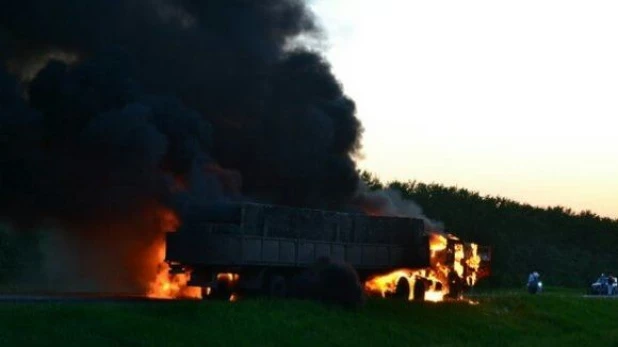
387,284
473,261
437,243
166,285
446,265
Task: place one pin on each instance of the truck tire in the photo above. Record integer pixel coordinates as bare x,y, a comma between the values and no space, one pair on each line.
276,287
220,291
402,291
419,289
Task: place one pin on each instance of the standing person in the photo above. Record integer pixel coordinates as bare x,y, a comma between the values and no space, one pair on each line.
539,284
531,278
533,282
530,284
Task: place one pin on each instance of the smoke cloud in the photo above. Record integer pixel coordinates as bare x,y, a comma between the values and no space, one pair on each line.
111,109
390,202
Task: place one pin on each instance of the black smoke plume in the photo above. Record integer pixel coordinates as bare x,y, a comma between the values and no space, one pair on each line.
110,107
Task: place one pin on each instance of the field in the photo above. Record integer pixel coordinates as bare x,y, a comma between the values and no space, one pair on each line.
557,318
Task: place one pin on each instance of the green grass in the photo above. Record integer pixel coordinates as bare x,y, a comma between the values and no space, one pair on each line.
551,319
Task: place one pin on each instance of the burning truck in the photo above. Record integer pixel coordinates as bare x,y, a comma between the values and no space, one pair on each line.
125,108
238,249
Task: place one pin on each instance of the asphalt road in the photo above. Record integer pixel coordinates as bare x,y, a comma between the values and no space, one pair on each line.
111,298
80,297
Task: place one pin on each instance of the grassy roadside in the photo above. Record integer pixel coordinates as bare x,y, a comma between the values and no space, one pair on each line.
549,320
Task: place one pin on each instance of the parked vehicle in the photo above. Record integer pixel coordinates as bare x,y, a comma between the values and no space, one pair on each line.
604,285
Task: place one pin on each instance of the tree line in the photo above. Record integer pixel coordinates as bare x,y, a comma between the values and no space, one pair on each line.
568,248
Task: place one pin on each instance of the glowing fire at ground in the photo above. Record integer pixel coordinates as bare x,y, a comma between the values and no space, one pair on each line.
450,267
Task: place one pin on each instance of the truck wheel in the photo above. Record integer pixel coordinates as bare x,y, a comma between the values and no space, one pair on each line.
419,289
402,291
220,291
277,287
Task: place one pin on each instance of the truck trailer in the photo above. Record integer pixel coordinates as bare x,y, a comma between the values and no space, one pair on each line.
250,247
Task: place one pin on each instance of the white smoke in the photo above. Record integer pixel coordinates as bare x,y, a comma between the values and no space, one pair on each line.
389,202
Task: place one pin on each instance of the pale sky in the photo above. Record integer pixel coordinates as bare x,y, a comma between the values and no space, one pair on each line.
510,98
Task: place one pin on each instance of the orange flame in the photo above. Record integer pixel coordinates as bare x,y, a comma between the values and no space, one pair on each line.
437,243
229,277
474,263
166,285
464,266
387,284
